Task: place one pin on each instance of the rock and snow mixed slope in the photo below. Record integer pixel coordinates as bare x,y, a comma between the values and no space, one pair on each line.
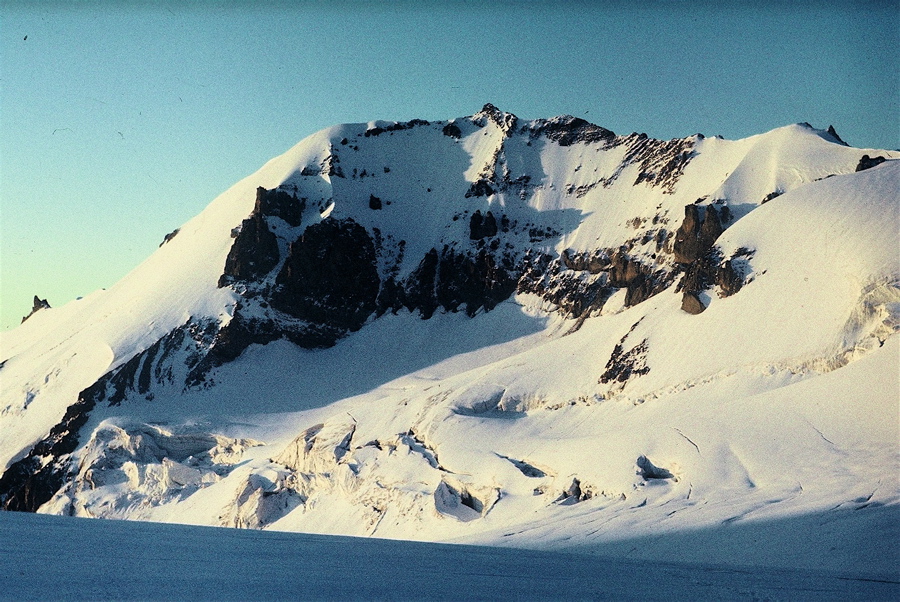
531,333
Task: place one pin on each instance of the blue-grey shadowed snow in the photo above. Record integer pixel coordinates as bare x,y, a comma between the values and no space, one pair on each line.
386,349
61,558
857,540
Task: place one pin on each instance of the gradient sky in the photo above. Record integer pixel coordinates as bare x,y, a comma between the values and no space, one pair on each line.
120,121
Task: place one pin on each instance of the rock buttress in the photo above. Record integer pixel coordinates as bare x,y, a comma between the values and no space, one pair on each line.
330,276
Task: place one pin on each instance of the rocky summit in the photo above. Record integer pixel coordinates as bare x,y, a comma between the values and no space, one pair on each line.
537,333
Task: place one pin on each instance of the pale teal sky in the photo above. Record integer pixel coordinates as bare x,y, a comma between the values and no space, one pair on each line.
120,121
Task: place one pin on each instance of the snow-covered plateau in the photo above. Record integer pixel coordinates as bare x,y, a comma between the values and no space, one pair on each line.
490,331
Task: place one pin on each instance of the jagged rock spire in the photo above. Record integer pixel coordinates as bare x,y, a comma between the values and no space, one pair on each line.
39,304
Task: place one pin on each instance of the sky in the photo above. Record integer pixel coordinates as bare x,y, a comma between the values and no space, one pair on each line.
119,121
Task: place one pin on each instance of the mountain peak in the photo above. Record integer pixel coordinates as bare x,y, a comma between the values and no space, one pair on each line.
505,121
37,305
833,133
404,329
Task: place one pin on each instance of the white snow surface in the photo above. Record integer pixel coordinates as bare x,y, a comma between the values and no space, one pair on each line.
770,417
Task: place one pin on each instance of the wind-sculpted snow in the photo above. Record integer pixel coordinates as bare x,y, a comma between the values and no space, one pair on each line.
538,333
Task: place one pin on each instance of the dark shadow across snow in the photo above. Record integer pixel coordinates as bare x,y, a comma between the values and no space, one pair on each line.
44,558
387,348
855,541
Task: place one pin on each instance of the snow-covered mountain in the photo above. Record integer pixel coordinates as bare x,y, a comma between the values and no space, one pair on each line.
536,334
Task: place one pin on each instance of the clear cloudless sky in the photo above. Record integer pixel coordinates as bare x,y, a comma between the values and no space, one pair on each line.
121,120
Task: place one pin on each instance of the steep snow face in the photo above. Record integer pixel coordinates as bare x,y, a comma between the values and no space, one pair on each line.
57,353
465,330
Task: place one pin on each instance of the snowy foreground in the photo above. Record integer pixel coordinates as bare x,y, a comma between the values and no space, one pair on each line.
533,335
58,558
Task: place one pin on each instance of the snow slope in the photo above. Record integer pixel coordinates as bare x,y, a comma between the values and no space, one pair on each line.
541,386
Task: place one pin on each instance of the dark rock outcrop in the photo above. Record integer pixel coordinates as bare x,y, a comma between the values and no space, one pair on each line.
568,130
687,238
37,306
625,365
639,291
30,482
709,270
374,202
254,252
581,283
126,379
452,130
474,281
694,250
592,263
639,280
420,290
278,203
833,133
480,188
238,334
711,227
692,304
453,280
867,162
624,270
170,236
660,162
565,287
728,279
505,121
389,297
330,276
725,215
395,127
700,274
696,236
331,166
772,195
482,226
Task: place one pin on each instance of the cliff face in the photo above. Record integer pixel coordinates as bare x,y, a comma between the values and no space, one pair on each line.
312,279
